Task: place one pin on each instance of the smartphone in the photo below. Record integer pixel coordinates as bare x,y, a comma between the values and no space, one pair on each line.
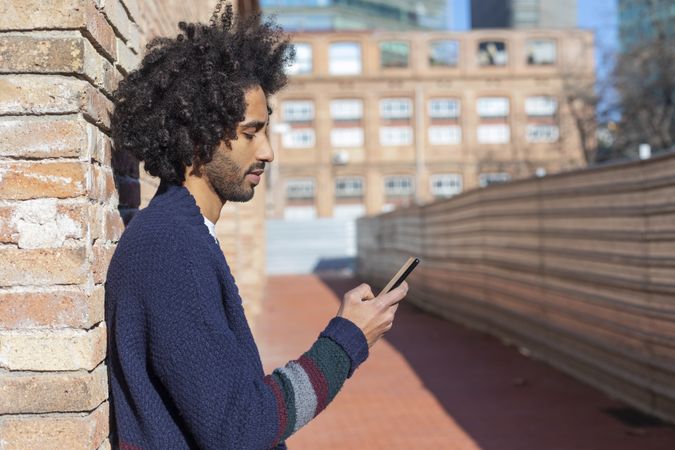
401,275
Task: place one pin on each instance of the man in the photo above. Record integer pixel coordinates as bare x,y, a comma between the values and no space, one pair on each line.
184,369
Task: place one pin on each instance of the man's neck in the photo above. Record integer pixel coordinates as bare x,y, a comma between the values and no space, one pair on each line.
208,201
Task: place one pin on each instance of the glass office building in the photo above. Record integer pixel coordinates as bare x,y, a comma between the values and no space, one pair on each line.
641,20
523,14
336,15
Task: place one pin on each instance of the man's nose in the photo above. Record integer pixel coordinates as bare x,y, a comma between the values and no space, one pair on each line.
265,152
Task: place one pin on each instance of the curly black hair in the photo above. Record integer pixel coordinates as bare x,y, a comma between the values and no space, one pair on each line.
188,93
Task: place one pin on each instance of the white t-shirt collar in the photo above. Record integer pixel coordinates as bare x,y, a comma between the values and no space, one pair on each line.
212,228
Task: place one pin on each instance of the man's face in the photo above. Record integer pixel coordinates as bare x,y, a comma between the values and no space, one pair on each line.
235,171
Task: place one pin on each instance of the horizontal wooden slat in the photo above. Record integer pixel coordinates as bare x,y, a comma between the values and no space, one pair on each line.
576,267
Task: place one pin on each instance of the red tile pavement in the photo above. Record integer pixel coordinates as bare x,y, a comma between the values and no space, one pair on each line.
432,384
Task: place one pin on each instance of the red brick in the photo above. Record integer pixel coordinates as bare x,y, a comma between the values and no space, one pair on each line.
132,8
102,255
71,431
27,15
58,308
48,94
116,15
27,180
104,150
127,60
34,392
97,107
41,223
114,226
42,52
43,137
42,267
49,52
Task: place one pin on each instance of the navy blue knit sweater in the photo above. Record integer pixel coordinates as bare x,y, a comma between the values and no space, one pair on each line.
184,370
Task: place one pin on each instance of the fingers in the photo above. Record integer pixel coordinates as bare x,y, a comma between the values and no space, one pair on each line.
394,296
361,292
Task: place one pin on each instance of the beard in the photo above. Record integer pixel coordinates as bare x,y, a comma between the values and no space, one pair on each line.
228,179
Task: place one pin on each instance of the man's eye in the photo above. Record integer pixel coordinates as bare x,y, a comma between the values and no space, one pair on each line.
249,136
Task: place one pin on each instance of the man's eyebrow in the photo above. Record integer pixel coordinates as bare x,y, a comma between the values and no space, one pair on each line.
257,124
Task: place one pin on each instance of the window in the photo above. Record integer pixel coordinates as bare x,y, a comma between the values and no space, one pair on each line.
486,179
346,109
399,185
493,107
303,60
300,188
494,134
346,137
542,133
541,52
444,54
298,110
394,54
492,53
299,138
446,184
390,136
344,58
541,106
448,135
349,187
444,108
396,108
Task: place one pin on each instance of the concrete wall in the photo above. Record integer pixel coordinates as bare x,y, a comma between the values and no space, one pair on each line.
65,196
576,268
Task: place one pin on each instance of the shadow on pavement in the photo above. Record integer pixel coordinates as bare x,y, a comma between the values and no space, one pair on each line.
504,400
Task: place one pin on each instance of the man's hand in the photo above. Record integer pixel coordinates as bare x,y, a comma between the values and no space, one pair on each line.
376,315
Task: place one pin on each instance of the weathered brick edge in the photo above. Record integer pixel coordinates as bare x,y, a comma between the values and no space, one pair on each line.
63,197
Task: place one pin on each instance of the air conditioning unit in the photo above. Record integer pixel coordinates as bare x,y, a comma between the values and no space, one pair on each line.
340,158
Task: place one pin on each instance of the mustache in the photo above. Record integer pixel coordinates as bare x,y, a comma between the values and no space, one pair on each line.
254,167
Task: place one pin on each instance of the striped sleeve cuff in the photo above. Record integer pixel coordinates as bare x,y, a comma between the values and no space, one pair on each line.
350,338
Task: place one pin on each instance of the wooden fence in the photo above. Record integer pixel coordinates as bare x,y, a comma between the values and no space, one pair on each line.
577,268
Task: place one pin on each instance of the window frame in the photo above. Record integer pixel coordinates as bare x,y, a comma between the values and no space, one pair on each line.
287,138
395,143
352,192
333,63
430,61
295,68
389,115
286,117
439,193
398,191
405,44
481,52
312,184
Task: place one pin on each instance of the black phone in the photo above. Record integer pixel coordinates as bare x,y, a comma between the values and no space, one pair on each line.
405,270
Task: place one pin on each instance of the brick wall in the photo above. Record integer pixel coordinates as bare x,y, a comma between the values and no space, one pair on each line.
59,218
65,197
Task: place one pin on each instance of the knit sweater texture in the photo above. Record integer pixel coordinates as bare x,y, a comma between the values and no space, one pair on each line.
184,370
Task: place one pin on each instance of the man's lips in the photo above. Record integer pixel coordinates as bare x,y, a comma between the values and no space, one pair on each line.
254,176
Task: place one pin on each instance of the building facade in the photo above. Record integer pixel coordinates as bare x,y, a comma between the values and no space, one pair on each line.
375,120
523,14
336,15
